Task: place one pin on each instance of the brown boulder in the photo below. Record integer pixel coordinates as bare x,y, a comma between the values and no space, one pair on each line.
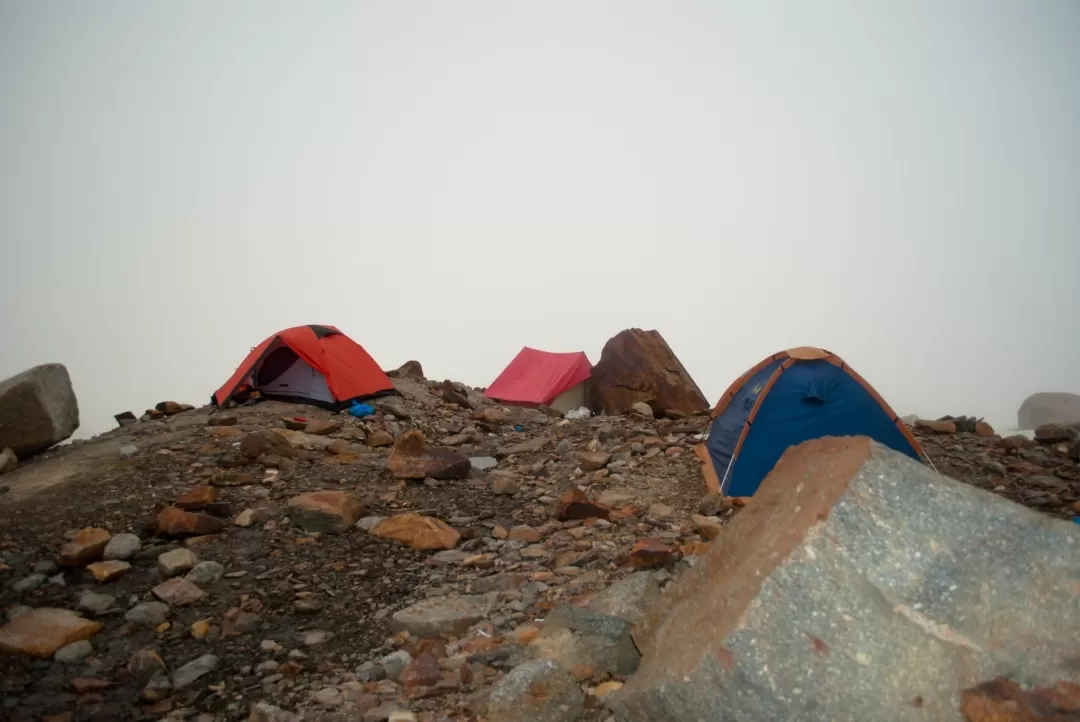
938,427
411,459
266,441
407,370
651,552
108,571
86,546
323,427
419,532
171,521
639,366
380,438
449,393
325,512
594,460
170,407
1052,434
707,526
576,505
984,429
40,632
197,498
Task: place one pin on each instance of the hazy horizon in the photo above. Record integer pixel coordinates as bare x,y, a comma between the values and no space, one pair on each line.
897,182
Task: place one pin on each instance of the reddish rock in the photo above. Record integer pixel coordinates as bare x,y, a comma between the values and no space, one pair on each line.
984,429
423,671
338,446
575,504
170,407
197,498
1052,434
174,522
86,546
380,438
707,526
938,427
524,533
411,459
407,370
325,512
639,366
323,427
1002,700
651,552
419,532
42,631
266,441
1016,442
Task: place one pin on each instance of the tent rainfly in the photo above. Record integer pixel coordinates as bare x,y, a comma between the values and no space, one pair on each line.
316,365
534,378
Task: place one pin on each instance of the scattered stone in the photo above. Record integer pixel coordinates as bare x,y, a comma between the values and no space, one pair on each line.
483,463
176,561
594,460
173,522
1052,434
525,533
834,510
707,526
575,504
412,459
193,670
40,632
325,512
122,547
525,447
660,511
536,691
641,408
95,603
38,409
419,532
149,614
651,552
108,571
222,420
628,598
29,583
86,546
266,441
8,461
394,664
407,370
438,616
937,427
178,592
505,485
128,450
582,637
205,574
339,447
74,653
984,429
423,671
380,438
197,498
321,427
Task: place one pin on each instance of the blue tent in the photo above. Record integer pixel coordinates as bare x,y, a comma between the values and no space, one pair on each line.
793,396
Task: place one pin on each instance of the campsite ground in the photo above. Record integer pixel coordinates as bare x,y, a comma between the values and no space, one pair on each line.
298,617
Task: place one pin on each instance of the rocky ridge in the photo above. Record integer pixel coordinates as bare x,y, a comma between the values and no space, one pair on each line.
443,559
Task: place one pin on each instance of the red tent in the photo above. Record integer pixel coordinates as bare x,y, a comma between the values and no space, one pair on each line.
311,364
538,377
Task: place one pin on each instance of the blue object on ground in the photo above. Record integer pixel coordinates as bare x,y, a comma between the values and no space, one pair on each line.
361,410
519,427
1076,519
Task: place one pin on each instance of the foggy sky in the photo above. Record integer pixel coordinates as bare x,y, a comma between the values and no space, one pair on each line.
898,182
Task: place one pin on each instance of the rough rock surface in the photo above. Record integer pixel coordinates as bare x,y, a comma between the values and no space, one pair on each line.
539,691
1048,408
325,512
639,366
910,586
38,409
413,459
419,532
40,632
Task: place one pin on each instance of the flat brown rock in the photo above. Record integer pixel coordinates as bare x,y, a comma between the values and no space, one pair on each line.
178,592
266,441
639,366
651,552
174,522
419,532
86,546
938,427
380,438
108,571
40,632
197,498
413,459
323,427
325,512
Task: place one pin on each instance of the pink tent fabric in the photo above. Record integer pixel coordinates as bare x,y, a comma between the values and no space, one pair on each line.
538,377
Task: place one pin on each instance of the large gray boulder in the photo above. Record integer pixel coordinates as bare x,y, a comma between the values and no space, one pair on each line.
38,408
859,584
1049,408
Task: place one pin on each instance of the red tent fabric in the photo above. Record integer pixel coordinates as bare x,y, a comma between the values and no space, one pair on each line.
537,377
312,364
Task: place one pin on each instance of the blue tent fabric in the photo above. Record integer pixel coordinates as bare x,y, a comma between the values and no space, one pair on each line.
810,399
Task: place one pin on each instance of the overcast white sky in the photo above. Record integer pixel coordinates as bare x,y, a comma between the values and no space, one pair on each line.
898,182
